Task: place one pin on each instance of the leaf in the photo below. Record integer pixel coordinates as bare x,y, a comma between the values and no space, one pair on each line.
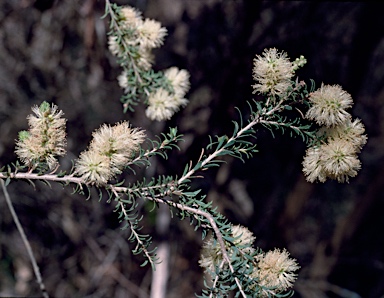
192,193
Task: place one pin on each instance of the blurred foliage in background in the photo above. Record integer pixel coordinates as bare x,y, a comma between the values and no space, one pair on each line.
57,51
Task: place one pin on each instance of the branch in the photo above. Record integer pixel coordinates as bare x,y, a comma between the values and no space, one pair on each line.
48,177
25,240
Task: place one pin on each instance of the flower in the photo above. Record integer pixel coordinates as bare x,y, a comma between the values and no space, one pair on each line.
275,272
114,47
110,151
129,17
243,237
151,34
45,139
94,168
328,105
336,158
339,160
118,142
312,165
136,37
212,256
179,80
352,132
144,58
122,79
162,105
273,73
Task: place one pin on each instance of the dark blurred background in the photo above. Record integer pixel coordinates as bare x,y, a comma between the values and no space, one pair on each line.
56,51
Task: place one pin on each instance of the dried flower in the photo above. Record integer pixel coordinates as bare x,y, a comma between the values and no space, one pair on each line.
275,272
211,254
111,149
329,104
273,73
45,139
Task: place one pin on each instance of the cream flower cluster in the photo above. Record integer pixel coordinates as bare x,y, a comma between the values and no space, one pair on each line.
109,152
133,42
45,139
274,271
137,38
273,72
342,139
329,104
162,104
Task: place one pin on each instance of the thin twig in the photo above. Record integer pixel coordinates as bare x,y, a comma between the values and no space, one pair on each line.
217,277
136,235
25,240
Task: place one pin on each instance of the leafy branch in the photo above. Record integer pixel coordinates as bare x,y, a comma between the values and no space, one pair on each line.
303,131
236,145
